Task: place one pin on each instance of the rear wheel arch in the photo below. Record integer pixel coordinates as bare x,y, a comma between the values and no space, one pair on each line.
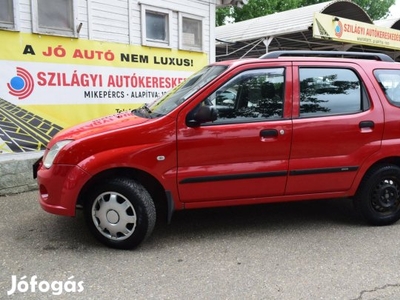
378,194
393,160
365,169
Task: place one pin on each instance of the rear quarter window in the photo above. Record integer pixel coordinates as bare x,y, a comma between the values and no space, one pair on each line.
389,81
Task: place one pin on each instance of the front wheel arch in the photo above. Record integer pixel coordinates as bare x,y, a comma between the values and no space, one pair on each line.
120,213
149,182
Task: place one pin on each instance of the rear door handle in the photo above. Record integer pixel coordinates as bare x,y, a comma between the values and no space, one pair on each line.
366,124
266,133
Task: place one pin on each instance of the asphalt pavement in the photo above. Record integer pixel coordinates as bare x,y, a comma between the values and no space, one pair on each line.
308,250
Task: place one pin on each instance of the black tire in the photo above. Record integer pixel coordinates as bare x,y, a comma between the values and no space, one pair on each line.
378,196
120,213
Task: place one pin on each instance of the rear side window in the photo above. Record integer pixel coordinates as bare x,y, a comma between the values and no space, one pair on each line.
330,91
389,81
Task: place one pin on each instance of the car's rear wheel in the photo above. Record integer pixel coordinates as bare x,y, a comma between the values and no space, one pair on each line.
120,213
378,197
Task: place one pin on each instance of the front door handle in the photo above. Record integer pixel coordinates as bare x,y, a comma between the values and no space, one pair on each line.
267,133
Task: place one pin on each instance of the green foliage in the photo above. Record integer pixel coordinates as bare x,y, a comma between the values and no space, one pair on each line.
221,15
376,9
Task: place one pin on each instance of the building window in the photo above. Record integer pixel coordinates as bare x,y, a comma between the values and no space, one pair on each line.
156,26
55,17
8,14
191,32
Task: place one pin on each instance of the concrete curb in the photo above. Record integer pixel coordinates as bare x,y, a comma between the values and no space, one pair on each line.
16,175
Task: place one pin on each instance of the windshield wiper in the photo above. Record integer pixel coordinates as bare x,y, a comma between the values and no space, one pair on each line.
143,111
146,108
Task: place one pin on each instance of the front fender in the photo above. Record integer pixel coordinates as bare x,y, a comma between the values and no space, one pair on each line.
157,160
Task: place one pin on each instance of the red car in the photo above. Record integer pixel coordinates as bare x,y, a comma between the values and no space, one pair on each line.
288,126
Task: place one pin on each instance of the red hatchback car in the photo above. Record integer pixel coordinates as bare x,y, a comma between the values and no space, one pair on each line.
288,126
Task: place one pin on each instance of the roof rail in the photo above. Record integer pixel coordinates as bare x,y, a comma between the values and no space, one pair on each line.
343,54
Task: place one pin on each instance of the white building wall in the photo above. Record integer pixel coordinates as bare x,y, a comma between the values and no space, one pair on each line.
119,21
25,16
109,20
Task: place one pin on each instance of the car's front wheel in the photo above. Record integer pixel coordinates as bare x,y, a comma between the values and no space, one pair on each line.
120,213
378,197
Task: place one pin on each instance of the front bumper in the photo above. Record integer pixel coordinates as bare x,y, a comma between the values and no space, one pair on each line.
59,187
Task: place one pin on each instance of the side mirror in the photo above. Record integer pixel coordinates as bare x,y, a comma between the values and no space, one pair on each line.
203,115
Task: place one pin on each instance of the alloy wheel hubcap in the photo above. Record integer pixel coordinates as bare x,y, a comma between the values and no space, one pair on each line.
114,216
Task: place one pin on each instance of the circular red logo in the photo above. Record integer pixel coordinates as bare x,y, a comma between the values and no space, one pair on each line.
338,29
21,85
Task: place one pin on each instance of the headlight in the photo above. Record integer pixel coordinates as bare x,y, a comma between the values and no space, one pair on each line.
51,155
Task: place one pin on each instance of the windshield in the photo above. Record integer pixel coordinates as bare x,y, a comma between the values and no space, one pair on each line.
182,92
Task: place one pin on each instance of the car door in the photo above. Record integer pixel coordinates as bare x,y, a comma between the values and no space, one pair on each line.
336,126
244,153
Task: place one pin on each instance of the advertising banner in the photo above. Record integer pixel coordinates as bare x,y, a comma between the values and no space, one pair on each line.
49,83
350,31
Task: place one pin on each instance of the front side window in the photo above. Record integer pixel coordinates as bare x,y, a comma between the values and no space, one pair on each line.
191,34
7,14
389,81
156,28
328,91
56,17
254,95
182,92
